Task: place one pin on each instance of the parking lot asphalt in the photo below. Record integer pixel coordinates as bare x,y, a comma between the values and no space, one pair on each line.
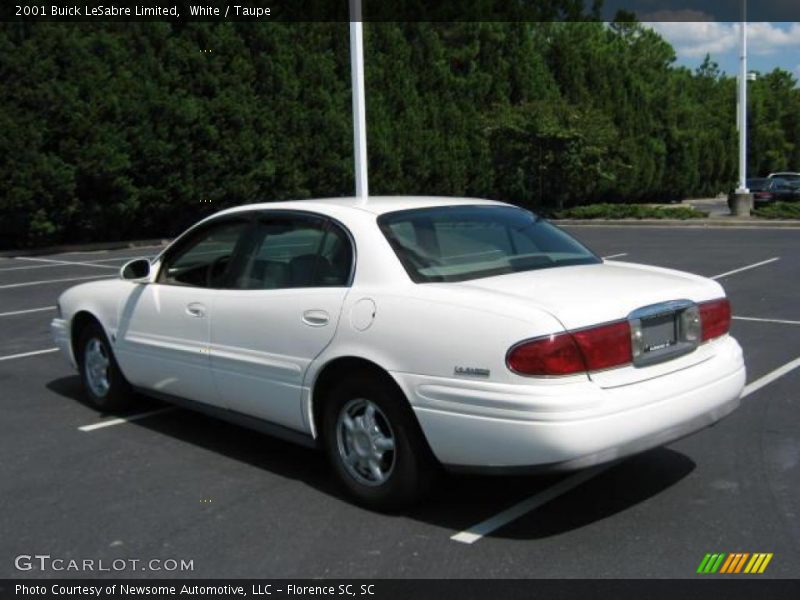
178,485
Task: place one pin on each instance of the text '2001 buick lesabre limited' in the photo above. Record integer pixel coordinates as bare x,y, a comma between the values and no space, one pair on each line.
406,334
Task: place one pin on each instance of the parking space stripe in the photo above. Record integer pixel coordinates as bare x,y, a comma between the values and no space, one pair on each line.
122,420
31,267
757,320
26,354
759,383
747,268
66,262
476,532
119,258
25,312
30,283
615,256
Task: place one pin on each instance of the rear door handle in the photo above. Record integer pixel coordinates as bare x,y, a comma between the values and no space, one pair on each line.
196,309
316,318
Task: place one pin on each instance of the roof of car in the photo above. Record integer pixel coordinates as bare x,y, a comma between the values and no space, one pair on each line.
377,205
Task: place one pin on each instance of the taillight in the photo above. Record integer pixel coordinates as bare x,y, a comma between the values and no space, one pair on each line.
605,346
567,353
554,355
715,317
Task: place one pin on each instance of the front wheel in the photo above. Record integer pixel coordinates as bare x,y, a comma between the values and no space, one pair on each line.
375,444
105,386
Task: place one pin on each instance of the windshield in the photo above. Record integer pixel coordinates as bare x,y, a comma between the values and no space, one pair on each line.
458,243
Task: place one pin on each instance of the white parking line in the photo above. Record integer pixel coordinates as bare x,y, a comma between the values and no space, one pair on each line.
119,258
65,262
747,268
30,267
53,263
476,532
759,383
25,312
615,256
26,354
122,420
757,320
29,283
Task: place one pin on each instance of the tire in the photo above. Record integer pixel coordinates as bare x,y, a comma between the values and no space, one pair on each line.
406,471
105,386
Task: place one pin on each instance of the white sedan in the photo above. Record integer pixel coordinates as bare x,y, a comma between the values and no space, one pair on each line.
407,334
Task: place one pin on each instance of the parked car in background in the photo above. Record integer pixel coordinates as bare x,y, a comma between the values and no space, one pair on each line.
407,334
790,176
770,189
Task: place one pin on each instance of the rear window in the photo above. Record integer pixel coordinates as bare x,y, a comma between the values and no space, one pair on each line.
459,243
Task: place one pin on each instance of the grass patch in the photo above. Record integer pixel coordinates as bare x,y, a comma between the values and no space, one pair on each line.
779,210
629,211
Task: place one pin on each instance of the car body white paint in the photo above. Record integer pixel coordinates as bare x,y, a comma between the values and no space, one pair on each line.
253,353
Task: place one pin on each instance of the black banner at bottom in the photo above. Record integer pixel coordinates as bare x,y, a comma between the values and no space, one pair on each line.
399,589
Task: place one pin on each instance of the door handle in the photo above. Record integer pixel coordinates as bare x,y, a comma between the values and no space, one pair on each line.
196,309
316,318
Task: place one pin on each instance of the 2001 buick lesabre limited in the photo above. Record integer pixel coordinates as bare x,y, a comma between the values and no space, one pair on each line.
407,333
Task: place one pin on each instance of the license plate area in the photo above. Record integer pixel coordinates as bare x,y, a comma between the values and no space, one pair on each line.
664,331
659,332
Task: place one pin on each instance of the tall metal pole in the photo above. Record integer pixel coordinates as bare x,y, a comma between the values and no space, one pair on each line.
359,109
743,103
742,200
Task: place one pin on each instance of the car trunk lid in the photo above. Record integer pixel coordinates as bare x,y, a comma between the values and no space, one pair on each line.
589,295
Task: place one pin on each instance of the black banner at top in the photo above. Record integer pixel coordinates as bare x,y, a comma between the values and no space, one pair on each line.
398,10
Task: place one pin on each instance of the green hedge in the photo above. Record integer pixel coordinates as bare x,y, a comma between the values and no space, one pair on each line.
779,210
134,130
629,211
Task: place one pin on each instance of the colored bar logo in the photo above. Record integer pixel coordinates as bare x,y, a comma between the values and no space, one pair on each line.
737,562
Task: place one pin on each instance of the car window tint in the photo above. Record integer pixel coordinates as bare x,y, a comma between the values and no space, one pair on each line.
204,261
295,252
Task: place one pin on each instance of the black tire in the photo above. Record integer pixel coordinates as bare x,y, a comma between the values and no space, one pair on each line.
413,465
119,394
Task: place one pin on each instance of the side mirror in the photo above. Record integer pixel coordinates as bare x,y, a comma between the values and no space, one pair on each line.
137,270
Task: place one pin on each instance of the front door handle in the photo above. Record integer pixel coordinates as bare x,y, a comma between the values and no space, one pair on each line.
196,309
316,318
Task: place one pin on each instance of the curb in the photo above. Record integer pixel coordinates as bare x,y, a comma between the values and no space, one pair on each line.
731,223
81,248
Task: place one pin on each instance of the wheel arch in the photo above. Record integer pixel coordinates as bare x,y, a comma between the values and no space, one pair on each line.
80,320
333,372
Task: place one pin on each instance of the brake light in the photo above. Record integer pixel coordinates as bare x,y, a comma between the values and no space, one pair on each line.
554,355
605,346
567,353
715,317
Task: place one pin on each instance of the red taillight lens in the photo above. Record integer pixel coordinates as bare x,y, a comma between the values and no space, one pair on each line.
577,352
605,346
716,318
554,355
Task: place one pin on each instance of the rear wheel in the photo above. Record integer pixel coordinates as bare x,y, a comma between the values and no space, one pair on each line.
105,386
374,443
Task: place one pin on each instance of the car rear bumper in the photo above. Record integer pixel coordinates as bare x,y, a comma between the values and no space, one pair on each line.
60,332
574,426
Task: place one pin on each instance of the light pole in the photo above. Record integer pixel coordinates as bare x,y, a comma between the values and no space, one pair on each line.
359,109
742,199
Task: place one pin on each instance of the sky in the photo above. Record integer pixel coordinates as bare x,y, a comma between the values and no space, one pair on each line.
770,45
